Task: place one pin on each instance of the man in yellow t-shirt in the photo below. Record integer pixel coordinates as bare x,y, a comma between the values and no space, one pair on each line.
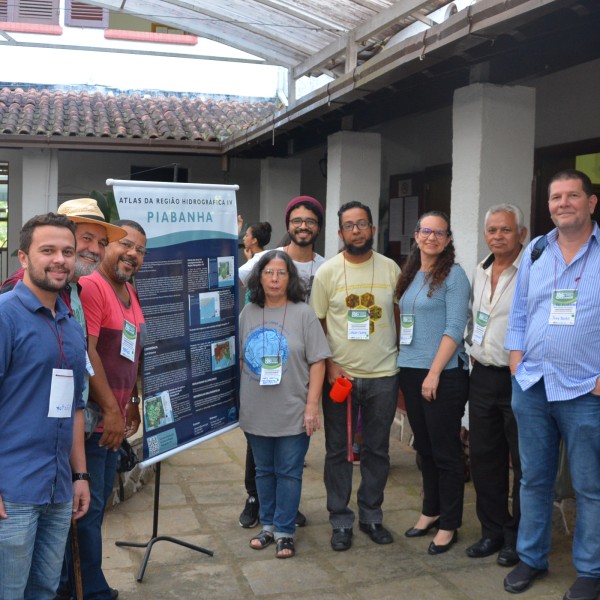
353,296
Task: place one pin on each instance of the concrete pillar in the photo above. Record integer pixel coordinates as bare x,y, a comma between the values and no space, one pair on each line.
492,160
279,183
40,182
353,173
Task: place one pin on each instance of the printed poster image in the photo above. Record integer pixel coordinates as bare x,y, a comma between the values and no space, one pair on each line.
157,411
188,290
223,354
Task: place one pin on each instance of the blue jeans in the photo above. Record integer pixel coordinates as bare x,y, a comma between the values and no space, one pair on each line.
541,425
279,465
102,467
32,545
377,398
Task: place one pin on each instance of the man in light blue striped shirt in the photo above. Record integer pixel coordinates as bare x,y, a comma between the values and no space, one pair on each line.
553,334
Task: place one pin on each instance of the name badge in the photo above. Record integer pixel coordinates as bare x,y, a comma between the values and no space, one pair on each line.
128,340
270,370
563,307
479,326
407,327
88,365
358,324
62,390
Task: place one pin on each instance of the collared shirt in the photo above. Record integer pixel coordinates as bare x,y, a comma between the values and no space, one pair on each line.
35,448
491,352
566,356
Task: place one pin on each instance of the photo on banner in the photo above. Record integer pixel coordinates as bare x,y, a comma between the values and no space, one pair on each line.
188,290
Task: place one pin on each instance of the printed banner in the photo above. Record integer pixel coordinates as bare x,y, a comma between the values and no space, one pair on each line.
188,290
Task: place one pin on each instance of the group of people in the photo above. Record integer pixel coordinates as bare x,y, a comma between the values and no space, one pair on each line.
68,396
517,344
70,354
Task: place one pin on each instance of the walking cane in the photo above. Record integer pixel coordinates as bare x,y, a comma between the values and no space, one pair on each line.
76,561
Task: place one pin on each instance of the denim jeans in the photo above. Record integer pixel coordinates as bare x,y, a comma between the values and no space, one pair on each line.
377,398
32,546
541,425
102,467
436,427
279,465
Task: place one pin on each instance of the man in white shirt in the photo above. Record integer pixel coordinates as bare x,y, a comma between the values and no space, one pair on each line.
492,427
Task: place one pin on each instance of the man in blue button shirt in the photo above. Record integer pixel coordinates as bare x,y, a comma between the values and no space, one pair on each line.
43,481
553,331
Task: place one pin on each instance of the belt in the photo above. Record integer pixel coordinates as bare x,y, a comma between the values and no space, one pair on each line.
493,367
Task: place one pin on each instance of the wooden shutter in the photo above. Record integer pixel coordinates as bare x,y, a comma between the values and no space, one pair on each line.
36,11
81,14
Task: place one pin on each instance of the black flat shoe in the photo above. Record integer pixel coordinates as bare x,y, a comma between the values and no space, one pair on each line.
435,549
377,532
484,547
341,538
413,532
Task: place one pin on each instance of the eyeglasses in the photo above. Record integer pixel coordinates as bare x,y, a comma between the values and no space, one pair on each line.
362,225
279,272
425,232
128,244
297,221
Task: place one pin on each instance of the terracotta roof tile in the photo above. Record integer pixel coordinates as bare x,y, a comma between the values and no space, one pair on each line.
86,114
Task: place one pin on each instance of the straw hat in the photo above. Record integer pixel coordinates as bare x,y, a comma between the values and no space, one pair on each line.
86,210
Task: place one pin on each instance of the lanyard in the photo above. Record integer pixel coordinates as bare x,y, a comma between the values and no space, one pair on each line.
280,333
492,307
577,279
415,298
59,339
346,282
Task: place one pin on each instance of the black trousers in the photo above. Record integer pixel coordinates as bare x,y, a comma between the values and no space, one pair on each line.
436,428
493,440
250,472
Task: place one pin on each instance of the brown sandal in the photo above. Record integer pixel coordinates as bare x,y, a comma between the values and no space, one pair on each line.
283,545
264,539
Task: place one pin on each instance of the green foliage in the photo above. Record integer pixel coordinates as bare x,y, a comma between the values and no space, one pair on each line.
107,204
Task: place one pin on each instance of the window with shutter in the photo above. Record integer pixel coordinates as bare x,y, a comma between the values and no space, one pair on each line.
84,15
3,10
34,11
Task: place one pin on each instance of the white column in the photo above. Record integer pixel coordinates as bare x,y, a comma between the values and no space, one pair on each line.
279,183
40,182
492,160
353,173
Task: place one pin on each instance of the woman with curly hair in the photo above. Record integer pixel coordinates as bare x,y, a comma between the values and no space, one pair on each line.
433,294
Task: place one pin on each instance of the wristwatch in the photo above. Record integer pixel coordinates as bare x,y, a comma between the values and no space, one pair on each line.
81,477
134,399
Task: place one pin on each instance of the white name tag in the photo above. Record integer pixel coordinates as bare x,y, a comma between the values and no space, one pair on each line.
62,390
358,324
407,327
271,370
563,307
128,340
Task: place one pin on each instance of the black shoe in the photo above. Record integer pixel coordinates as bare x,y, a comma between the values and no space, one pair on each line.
584,588
300,519
484,547
435,549
249,516
377,532
63,594
521,577
414,532
114,594
341,538
508,556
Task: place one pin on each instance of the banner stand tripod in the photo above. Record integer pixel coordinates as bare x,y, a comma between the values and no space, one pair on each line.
155,537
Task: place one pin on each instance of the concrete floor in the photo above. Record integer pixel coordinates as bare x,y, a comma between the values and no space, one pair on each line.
202,494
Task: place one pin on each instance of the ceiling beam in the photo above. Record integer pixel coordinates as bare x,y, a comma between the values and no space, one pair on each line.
378,23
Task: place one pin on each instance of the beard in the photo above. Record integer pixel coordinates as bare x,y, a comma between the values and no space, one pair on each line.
360,250
121,276
303,243
41,280
83,268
